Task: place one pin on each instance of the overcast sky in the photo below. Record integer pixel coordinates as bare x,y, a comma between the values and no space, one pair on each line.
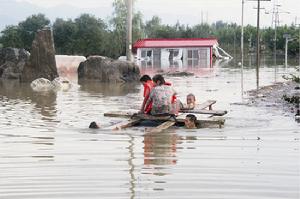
193,11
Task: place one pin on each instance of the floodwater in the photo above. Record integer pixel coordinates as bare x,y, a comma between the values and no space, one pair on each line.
47,151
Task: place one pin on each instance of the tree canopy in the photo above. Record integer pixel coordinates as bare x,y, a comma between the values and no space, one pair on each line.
89,35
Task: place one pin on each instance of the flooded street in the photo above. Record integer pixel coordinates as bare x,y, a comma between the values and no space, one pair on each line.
47,150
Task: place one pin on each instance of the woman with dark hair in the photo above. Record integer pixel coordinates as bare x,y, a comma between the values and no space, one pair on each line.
148,85
158,80
160,97
190,121
175,103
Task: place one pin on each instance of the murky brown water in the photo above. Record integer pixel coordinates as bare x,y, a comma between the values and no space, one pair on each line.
47,151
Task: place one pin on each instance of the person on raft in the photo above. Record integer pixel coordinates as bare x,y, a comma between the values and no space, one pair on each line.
190,102
161,97
148,84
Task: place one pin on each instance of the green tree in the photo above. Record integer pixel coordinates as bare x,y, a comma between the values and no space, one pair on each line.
118,25
152,26
11,37
64,36
29,27
202,30
90,36
138,27
22,35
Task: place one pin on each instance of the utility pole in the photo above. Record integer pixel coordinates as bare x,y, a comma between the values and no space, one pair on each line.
299,48
242,34
275,20
129,31
242,48
287,39
257,46
258,42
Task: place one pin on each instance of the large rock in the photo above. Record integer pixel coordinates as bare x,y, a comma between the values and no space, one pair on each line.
42,59
12,61
105,69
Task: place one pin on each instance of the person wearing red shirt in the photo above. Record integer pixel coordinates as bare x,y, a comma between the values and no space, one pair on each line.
148,85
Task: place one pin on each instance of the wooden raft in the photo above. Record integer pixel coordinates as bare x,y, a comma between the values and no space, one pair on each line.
201,120
205,118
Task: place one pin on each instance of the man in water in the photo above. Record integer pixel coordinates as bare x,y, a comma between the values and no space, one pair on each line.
190,121
94,125
113,127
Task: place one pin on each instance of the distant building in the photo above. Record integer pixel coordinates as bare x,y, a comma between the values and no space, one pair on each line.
187,52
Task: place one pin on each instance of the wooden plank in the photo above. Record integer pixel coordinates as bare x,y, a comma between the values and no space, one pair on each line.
162,127
152,117
136,115
204,111
125,124
206,104
119,114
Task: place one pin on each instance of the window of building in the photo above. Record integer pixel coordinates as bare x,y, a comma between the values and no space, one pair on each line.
198,57
146,53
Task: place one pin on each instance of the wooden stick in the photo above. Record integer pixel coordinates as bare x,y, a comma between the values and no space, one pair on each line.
125,124
119,114
203,111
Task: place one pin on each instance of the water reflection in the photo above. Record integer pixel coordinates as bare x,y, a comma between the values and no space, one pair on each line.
44,102
160,149
131,167
13,89
108,89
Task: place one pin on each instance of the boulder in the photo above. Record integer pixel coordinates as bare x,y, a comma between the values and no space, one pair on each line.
44,85
41,63
105,69
41,85
12,61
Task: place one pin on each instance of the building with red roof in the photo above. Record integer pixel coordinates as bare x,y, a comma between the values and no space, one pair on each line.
187,52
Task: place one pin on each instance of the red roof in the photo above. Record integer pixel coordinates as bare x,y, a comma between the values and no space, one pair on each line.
173,43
